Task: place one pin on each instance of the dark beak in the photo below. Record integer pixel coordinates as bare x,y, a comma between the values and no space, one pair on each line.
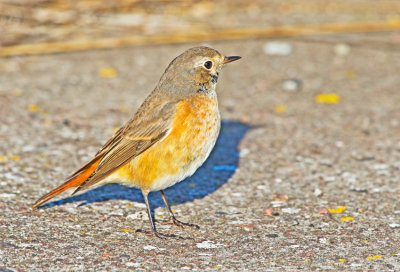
231,58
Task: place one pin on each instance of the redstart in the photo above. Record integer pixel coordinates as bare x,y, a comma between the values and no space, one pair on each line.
169,137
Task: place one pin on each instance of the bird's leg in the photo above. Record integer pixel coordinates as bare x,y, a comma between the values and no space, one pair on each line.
153,225
174,220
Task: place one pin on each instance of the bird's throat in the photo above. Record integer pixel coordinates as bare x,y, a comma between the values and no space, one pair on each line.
210,85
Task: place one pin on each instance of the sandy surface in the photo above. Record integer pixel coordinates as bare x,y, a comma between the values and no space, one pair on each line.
261,200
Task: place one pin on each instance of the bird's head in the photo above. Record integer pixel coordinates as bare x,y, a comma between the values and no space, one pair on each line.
197,69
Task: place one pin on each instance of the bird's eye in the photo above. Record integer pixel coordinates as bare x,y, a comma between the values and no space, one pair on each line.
208,64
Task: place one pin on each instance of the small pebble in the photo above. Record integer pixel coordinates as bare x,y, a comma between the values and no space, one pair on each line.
329,178
149,247
324,211
207,245
132,264
292,85
290,210
379,166
70,210
268,212
277,48
342,49
139,205
339,144
5,195
318,192
28,148
116,213
140,215
244,152
276,204
323,240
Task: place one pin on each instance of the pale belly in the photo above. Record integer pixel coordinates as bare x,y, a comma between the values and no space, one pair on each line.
193,135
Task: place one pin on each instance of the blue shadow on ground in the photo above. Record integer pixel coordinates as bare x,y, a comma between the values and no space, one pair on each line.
217,170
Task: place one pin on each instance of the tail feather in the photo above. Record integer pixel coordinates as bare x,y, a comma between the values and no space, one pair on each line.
74,181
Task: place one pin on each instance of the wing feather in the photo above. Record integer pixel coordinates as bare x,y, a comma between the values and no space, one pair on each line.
131,140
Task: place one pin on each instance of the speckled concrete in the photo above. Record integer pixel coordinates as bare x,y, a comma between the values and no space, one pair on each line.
261,199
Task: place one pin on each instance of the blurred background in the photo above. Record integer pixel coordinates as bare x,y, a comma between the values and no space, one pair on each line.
74,21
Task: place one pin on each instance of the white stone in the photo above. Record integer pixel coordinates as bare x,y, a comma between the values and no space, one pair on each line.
291,85
380,166
339,144
140,215
244,152
317,192
28,148
149,247
139,205
290,210
277,48
342,49
276,204
208,245
278,180
329,178
132,264
5,195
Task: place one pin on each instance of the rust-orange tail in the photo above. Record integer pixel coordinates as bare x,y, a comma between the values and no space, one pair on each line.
75,180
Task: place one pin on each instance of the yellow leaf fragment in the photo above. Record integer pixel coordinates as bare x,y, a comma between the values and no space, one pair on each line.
341,260
126,230
280,108
327,98
108,72
3,158
33,108
350,74
15,158
374,257
337,210
348,218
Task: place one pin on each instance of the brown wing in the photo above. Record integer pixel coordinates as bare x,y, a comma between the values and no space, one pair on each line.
140,133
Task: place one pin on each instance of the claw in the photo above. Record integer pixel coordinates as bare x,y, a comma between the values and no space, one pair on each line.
183,224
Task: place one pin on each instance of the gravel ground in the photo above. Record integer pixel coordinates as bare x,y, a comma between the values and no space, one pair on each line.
293,183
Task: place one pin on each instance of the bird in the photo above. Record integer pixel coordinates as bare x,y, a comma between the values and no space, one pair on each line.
167,139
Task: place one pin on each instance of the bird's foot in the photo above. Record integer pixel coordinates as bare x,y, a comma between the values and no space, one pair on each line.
183,224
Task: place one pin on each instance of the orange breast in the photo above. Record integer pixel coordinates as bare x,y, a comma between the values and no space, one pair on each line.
194,131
